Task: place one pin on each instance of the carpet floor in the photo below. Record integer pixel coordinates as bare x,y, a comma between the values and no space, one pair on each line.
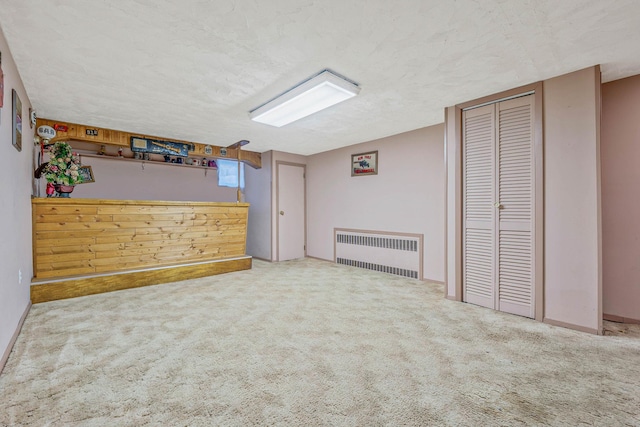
310,343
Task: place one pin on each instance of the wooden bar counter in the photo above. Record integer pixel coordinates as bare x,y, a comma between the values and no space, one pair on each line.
88,246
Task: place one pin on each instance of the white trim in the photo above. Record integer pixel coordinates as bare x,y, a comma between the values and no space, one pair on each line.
520,95
12,341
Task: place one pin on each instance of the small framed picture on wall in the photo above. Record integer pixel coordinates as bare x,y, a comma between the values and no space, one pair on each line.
364,164
1,85
17,120
87,174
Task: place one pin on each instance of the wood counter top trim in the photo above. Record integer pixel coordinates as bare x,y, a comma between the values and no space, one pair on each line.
72,201
96,236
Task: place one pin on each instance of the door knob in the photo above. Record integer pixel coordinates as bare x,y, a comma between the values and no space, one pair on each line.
498,205
281,212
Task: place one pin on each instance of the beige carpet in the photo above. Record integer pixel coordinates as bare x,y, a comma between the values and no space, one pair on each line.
308,343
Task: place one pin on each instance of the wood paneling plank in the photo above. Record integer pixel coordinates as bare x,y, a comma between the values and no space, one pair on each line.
169,216
51,274
66,210
141,210
42,218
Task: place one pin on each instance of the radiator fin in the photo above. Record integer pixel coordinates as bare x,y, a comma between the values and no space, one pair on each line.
379,242
394,253
379,267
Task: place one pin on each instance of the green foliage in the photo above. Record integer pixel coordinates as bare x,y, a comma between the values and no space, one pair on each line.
63,165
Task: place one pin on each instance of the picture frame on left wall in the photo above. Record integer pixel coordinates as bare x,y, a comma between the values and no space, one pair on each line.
17,120
1,87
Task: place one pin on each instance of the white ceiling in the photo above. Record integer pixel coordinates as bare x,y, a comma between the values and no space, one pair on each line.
192,69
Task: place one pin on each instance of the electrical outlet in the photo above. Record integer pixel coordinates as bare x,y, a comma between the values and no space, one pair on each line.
20,276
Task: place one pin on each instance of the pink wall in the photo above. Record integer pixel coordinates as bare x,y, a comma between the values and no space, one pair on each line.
15,210
258,194
572,282
453,211
406,196
128,180
620,199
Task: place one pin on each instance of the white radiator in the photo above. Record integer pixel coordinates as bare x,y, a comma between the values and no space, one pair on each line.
394,253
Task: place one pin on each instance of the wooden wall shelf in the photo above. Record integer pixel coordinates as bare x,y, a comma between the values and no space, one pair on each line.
154,161
102,136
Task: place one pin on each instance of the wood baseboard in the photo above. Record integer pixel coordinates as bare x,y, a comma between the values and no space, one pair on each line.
262,259
572,326
320,259
13,339
51,290
620,319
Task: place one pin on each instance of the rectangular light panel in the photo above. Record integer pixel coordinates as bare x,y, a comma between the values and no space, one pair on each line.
320,92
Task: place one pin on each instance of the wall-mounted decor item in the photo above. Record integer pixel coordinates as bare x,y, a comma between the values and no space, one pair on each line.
364,164
145,145
46,132
87,174
17,120
1,83
32,118
62,171
208,150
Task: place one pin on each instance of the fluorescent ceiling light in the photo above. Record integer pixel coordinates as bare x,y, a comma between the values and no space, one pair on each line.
315,94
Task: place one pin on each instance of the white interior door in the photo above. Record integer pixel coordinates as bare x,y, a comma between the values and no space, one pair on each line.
516,206
478,199
291,212
498,206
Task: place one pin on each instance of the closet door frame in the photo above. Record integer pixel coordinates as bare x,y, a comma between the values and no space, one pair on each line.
453,133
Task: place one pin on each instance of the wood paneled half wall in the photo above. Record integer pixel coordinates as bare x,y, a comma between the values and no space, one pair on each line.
87,246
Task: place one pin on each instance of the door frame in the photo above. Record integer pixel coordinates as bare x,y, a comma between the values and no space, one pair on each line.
277,206
453,200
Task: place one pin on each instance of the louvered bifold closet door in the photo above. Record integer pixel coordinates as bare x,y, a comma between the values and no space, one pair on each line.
478,210
516,213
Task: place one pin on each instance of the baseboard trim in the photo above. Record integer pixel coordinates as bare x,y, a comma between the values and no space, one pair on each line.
452,298
620,319
320,259
571,326
262,259
43,291
437,282
12,341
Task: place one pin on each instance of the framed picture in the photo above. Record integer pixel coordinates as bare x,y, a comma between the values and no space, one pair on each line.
87,174
17,120
364,164
1,83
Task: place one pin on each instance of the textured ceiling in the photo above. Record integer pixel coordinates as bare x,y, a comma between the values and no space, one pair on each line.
193,70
